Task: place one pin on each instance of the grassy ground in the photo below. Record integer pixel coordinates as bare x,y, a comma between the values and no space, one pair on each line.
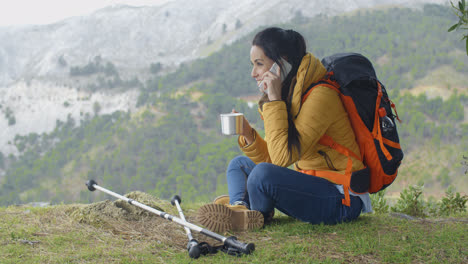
71,234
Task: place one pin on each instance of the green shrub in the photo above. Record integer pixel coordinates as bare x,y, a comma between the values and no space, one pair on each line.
452,203
379,202
411,202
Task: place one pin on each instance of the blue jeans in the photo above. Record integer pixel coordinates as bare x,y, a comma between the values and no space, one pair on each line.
264,187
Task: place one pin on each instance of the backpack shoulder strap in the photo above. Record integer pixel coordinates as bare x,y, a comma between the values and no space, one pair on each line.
326,81
328,141
325,139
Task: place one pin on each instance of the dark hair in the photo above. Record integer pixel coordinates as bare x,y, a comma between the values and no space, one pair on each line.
278,43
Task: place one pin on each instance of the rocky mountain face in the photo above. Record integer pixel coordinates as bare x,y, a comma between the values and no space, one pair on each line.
35,61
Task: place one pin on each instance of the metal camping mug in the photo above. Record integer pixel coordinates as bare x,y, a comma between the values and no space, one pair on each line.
232,123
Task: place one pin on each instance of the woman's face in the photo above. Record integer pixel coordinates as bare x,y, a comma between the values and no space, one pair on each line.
260,63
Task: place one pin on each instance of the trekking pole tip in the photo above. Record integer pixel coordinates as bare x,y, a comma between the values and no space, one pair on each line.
90,184
175,198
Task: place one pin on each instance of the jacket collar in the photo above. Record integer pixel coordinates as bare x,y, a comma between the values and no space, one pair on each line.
310,71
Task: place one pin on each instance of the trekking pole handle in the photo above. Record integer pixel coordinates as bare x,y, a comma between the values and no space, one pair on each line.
90,184
242,247
176,198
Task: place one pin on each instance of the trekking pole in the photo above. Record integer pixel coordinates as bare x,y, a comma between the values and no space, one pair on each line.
192,246
231,244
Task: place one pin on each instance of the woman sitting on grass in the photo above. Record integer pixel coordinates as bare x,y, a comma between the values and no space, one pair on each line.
261,181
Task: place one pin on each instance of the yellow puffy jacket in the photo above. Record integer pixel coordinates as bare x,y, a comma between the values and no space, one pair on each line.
322,113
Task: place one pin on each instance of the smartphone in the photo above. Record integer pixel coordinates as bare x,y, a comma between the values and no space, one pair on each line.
274,68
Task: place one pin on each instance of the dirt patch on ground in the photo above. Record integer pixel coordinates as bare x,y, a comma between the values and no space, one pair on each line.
129,221
99,212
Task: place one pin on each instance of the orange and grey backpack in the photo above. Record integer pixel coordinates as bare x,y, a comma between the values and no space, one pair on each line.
370,112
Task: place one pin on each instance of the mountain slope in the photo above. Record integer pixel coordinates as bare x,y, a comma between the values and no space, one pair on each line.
37,60
171,143
132,37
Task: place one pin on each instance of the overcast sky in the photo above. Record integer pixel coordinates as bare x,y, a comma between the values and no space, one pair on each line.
21,12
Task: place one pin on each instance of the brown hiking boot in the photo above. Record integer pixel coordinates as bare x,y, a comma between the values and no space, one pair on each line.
223,199
220,218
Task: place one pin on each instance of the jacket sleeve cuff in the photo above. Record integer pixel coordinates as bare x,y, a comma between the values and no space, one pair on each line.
243,143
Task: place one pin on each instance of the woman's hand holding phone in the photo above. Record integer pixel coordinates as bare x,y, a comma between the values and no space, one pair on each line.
272,83
272,80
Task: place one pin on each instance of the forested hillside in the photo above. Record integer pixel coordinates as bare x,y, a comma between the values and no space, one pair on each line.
172,145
